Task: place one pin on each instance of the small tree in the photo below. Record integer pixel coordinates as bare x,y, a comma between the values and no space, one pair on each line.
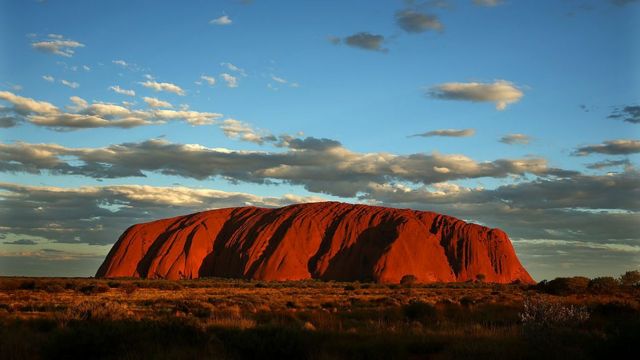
408,280
481,277
630,278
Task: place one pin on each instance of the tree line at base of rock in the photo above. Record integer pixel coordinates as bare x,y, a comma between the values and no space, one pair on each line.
581,284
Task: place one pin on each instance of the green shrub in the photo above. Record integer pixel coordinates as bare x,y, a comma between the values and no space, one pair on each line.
327,305
630,278
291,305
467,301
94,288
540,313
604,285
27,285
420,311
52,286
564,286
128,287
408,280
93,310
166,285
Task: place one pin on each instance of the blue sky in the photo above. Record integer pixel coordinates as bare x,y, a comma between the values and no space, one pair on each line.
301,71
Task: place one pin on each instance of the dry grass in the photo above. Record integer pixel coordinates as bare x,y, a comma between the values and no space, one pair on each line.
222,318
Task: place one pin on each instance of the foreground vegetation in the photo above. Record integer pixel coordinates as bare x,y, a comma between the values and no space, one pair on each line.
568,318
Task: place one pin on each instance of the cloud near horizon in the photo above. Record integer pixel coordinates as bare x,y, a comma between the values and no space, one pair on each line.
319,165
536,214
98,214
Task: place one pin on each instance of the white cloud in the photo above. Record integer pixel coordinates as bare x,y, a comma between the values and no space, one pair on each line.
57,46
363,40
488,3
82,115
71,84
24,105
120,63
122,91
231,80
48,78
236,129
512,139
15,87
611,147
209,79
278,79
500,92
416,22
156,103
162,86
78,103
448,132
192,117
281,81
222,21
234,68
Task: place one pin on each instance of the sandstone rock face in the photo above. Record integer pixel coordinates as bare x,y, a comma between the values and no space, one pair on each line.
330,241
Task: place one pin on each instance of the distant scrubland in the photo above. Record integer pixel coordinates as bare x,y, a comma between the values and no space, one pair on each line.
568,318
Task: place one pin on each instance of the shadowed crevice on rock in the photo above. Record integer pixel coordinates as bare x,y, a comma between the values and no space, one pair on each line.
358,261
